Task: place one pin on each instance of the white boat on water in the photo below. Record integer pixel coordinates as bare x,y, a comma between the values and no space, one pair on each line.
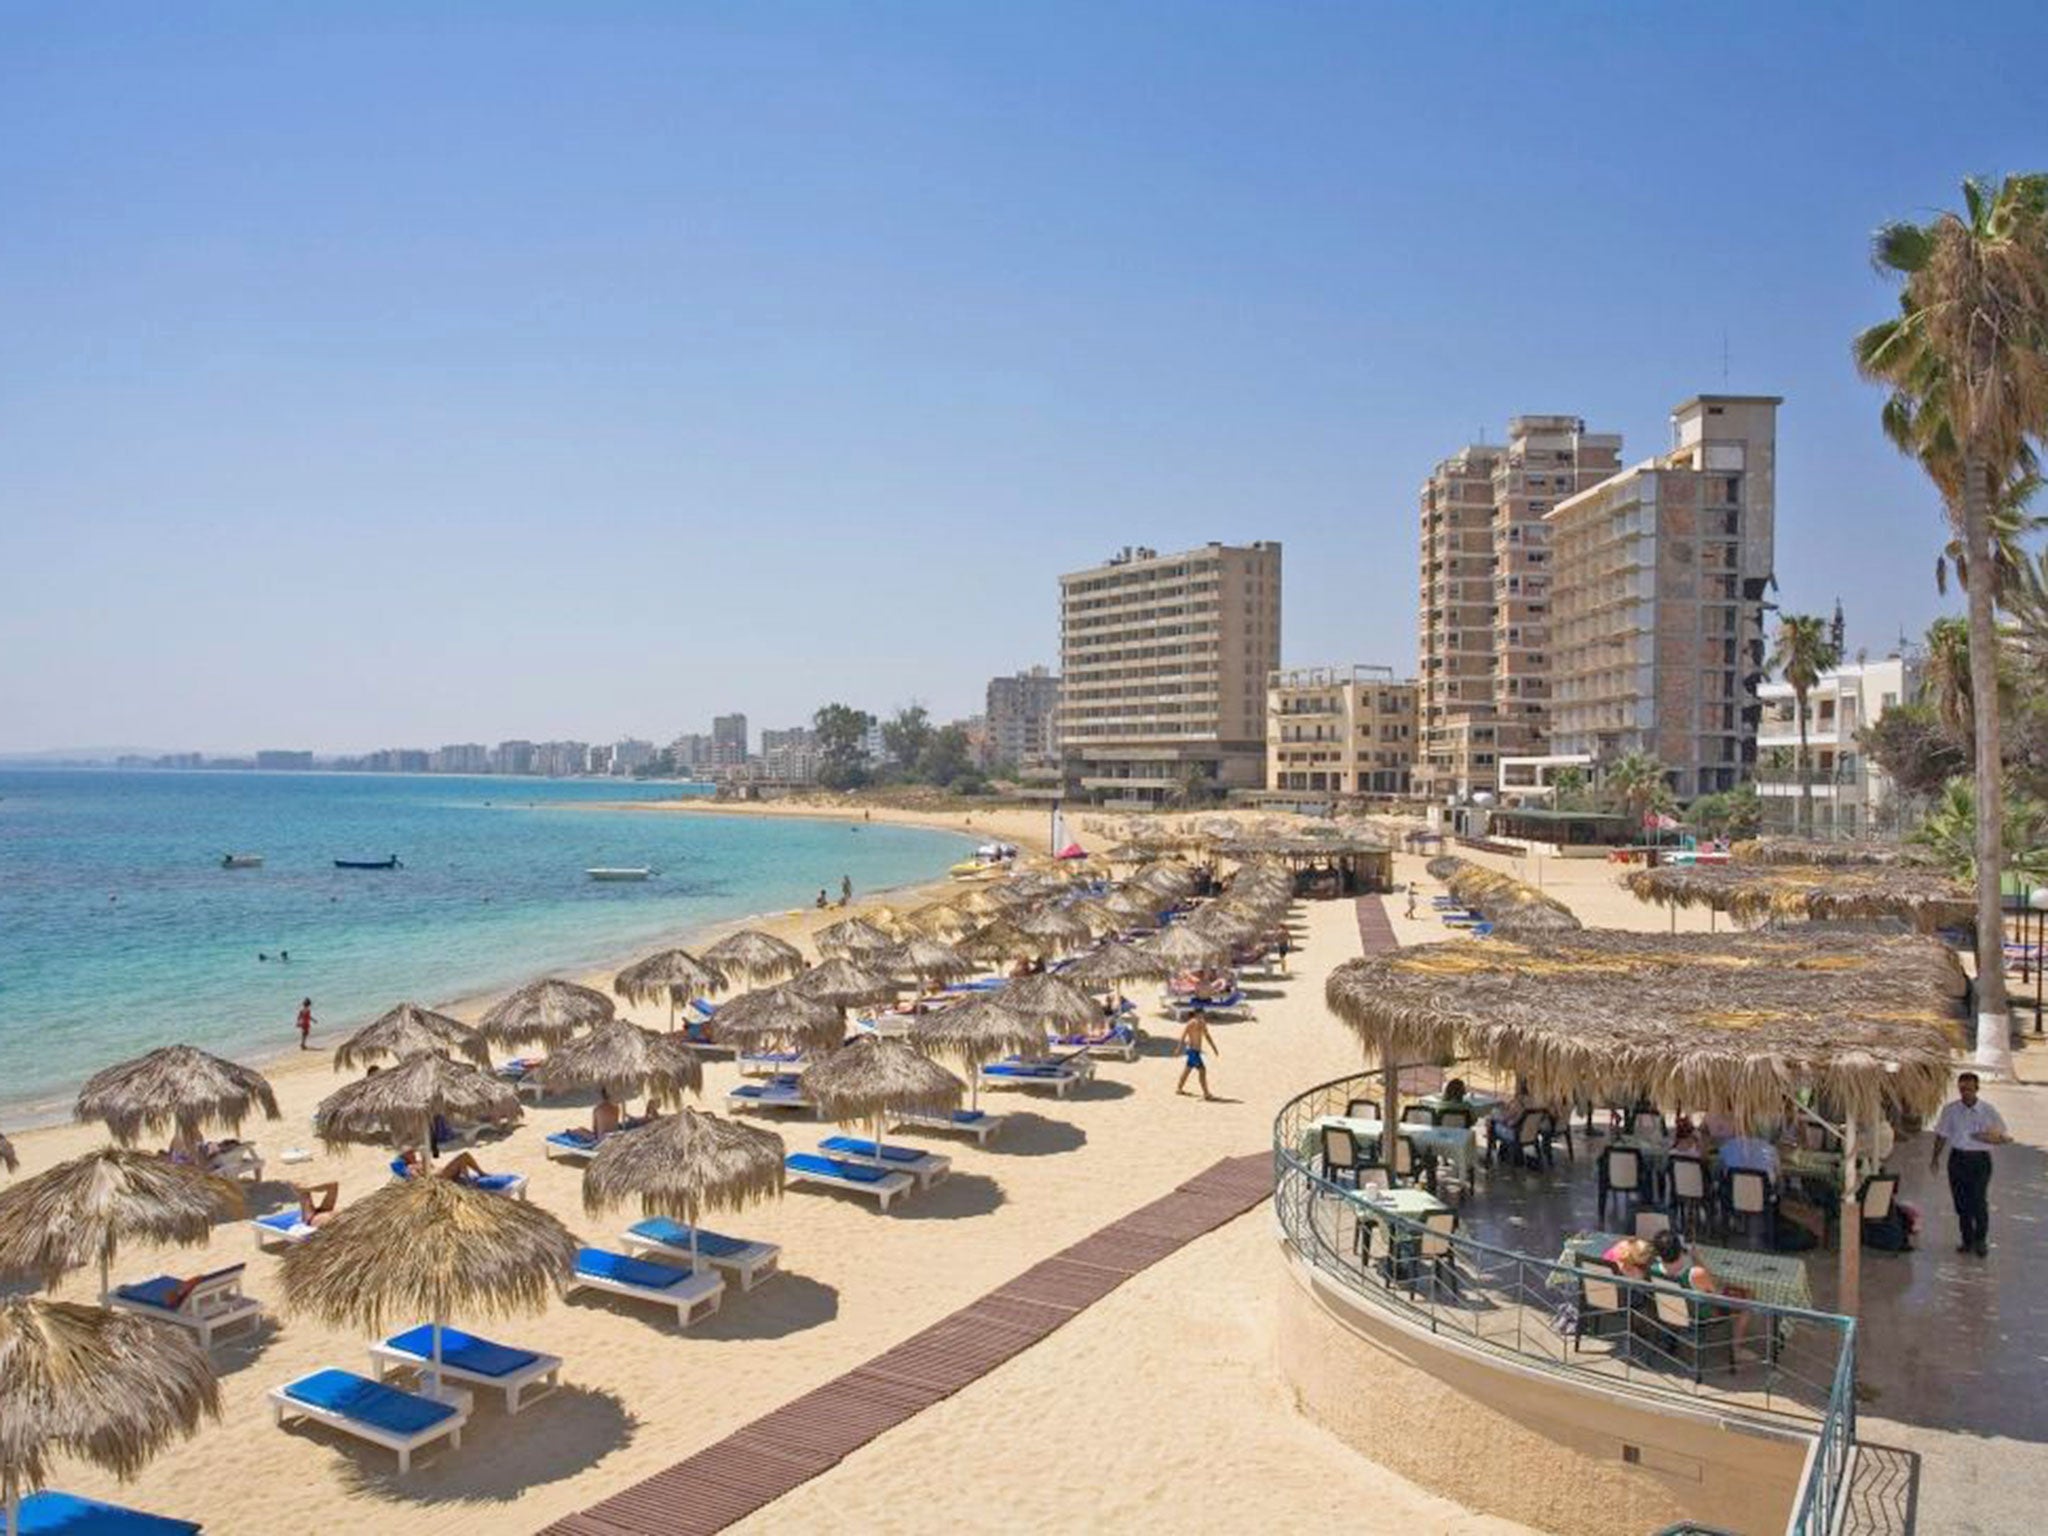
619,874
241,861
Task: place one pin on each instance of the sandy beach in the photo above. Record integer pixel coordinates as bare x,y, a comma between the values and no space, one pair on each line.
639,1395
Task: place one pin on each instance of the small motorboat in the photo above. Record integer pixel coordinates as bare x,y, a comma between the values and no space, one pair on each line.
241,861
603,873
390,863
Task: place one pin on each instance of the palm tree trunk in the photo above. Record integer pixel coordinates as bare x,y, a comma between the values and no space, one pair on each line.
1994,1050
1805,777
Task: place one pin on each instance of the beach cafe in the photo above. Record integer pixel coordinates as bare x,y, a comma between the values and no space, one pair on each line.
1614,1189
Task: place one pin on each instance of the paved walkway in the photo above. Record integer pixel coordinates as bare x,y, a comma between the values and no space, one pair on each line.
760,1462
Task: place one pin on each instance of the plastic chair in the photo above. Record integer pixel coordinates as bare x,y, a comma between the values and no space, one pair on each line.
1341,1159
1748,1194
1620,1173
1689,1195
1361,1109
1604,1306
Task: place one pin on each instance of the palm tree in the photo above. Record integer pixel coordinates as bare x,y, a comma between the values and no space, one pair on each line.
1638,781
1804,651
1568,788
1966,360
2011,524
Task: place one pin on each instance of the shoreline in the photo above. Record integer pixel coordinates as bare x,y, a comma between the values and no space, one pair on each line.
30,1121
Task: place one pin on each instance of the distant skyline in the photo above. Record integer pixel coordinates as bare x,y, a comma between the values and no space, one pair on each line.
392,376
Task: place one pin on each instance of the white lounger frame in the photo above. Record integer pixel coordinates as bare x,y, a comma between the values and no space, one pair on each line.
283,1406
735,1100
386,1358
927,1167
749,1265
704,1288
881,1191
277,1239
1062,1083
980,1129
217,1304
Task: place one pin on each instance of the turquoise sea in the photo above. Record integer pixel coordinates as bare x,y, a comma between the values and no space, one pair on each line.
120,931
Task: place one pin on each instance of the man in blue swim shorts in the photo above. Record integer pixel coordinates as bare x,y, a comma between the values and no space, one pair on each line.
1194,1040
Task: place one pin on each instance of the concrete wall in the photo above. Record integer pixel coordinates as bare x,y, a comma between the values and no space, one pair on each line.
1521,1444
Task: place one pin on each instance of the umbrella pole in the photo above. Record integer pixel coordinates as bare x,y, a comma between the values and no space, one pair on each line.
434,1376
13,1506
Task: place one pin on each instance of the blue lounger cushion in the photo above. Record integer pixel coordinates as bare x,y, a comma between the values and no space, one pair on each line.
835,1168
369,1402
676,1234
281,1221
154,1292
464,1351
603,1264
1024,1069
859,1146
66,1514
575,1137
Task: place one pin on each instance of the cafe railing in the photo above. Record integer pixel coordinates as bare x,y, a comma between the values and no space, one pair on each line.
1788,1367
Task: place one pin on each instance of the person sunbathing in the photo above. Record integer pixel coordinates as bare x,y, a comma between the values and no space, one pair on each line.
317,1201
606,1117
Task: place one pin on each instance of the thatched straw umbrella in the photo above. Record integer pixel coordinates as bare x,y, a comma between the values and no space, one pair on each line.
1925,898
548,1011
938,920
1133,906
929,961
755,957
1052,1001
1515,908
1004,940
683,1165
80,1211
429,1248
983,1029
778,1018
405,1031
1805,850
854,937
7,1158
174,1088
1059,926
844,984
106,1387
1114,964
622,1060
1182,948
869,1077
676,972
397,1106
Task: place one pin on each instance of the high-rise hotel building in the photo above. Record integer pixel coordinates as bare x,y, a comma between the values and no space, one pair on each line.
1658,580
1163,666
1484,616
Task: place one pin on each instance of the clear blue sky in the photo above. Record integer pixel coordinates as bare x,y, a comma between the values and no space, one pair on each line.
397,374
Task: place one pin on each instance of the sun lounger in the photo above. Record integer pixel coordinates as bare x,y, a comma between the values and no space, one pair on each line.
513,1184
522,1073
768,1063
1120,1041
240,1161
671,1285
978,1123
473,1361
879,1184
573,1145
211,1302
745,1261
399,1421
1060,1076
66,1514
784,1092
1182,1007
925,1167
695,1035
281,1229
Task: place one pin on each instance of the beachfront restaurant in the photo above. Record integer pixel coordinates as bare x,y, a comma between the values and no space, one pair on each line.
1330,865
1457,1222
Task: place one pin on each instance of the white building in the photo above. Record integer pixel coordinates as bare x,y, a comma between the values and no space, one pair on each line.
1850,793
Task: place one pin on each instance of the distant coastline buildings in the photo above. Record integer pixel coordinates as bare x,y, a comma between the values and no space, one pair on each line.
1021,718
1341,732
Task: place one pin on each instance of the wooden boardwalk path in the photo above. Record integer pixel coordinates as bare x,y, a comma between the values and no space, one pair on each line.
760,1462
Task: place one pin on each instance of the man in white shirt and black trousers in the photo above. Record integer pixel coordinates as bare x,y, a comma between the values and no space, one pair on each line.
1969,1128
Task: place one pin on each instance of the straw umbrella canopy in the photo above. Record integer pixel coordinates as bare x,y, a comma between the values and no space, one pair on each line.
756,957
1004,940
1133,905
676,972
1807,850
80,1211
621,1059
1926,898
7,1158
1114,964
1100,921
854,937
938,920
407,1030
980,1030
985,901
1164,879
177,1088
929,961
1514,907
1052,1000
549,1011
1068,930
429,1248
1185,949
866,1079
397,1106
684,1164
107,1387
843,984
778,1018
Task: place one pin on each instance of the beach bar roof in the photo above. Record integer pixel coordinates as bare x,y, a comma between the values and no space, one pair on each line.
1757,892
1738,1021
